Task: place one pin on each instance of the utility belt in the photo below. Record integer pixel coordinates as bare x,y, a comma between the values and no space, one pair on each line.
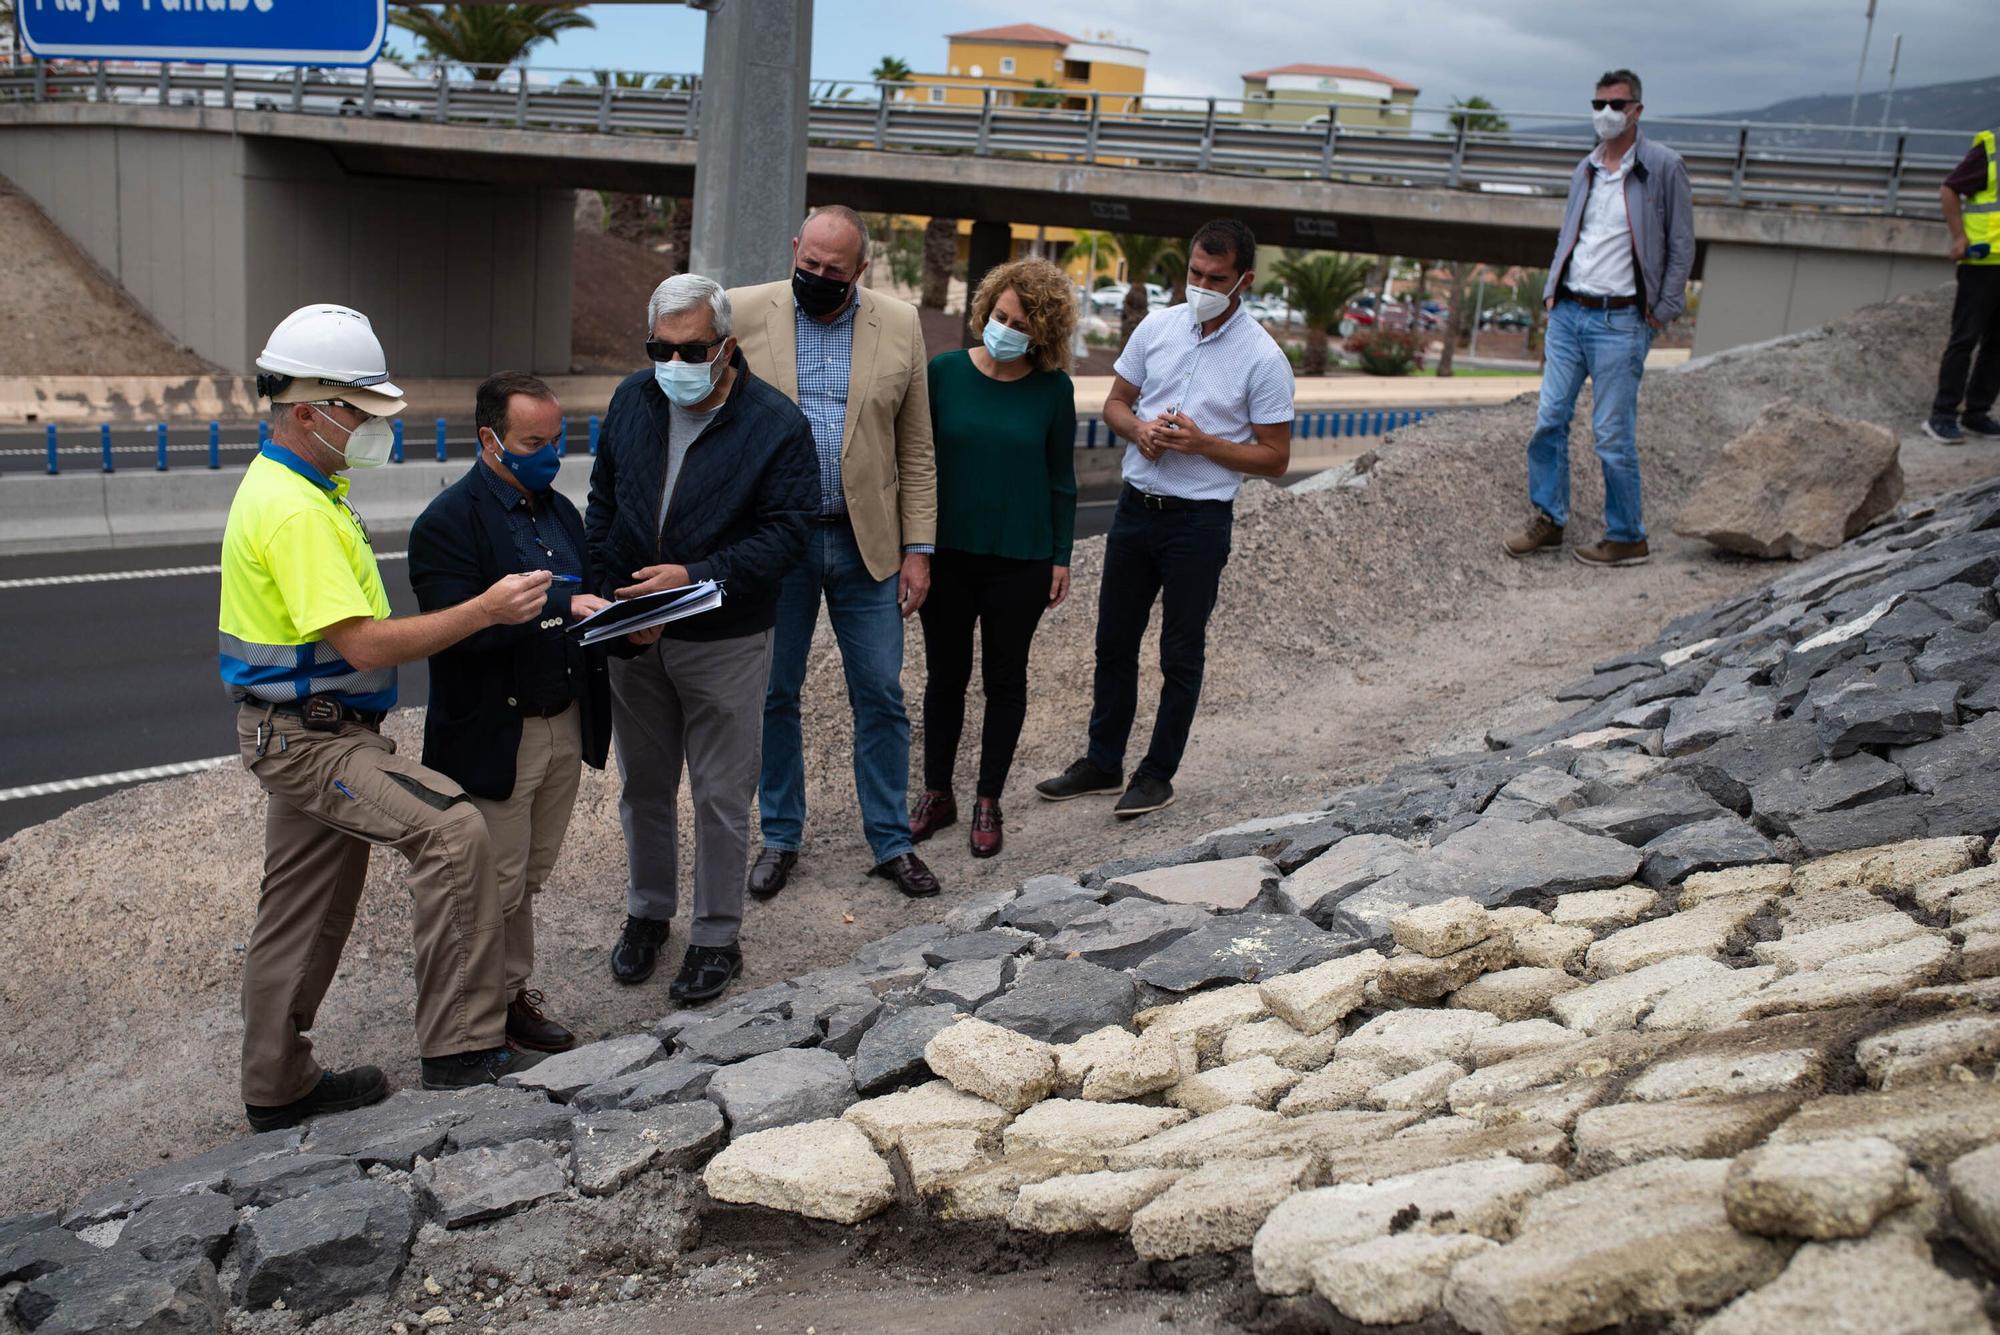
319,713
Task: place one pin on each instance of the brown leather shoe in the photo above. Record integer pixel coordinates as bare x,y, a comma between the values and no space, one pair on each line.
986,836
528,1028
910,874
1541,534
771,870
934,811
1608,553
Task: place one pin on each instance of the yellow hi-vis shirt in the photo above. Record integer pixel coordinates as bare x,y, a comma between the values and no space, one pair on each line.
295,560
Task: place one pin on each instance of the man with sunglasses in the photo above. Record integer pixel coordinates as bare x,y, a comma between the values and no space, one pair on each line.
516,712
309,653
1619,277
703,472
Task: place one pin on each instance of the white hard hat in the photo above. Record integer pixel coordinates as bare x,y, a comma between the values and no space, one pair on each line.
330,352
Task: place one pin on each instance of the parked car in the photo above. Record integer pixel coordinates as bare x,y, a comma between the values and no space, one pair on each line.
1504,317
341,91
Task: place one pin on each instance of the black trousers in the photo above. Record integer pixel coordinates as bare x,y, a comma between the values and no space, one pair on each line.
1005,598
1176,556
1975,323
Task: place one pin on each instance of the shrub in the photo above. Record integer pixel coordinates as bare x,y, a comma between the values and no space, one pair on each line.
1387,351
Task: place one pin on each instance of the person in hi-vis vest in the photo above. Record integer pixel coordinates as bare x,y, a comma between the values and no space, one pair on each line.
1971,204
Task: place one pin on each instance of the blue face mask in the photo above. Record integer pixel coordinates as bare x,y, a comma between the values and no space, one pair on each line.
533,471
686,383
1005,344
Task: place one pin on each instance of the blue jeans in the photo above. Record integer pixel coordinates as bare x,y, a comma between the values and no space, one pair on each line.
869,629
1610,347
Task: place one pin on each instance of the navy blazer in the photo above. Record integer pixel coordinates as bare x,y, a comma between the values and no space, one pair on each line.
746,490
458,546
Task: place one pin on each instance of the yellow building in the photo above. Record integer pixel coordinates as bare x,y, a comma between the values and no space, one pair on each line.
1303,94
1035,66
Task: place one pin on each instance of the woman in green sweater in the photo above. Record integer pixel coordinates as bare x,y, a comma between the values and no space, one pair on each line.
1003,416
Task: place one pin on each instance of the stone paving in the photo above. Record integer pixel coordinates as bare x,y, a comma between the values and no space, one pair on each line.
1682,1010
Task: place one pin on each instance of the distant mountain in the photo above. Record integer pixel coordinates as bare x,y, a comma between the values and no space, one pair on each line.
1959,108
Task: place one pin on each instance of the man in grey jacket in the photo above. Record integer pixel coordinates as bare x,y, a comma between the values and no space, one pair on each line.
1619,277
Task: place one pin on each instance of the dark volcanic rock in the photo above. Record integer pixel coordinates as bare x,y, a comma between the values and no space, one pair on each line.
1647,811
1120,934
1868,714
123,1293
780,1088
1885,822
1059,1001
893,1051
321,1252
1241,948
1709,845
181,1229
1832,785
1502,862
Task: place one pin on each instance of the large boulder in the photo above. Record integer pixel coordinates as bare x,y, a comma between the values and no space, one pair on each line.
1799,482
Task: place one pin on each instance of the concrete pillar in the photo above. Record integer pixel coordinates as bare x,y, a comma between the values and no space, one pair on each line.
992,246
750,161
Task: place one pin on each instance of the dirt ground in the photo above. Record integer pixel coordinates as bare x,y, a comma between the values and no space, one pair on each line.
1356,628
102,330
610,281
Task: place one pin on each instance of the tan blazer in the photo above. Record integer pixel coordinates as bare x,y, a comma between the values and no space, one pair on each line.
888,469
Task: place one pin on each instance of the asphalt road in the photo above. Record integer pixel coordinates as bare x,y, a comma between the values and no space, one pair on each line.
110,675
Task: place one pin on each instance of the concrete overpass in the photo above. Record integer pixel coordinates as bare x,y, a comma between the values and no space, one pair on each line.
457,235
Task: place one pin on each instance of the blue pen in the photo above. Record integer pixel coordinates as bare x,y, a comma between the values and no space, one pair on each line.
566,579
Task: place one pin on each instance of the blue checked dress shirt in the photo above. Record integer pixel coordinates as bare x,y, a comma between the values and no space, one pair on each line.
825,363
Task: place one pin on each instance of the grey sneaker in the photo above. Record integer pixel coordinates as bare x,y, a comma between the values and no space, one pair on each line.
1944,430
1146,794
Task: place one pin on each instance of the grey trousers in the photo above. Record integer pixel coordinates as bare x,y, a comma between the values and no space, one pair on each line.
702,704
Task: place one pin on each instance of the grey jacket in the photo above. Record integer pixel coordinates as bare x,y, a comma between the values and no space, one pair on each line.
1661,207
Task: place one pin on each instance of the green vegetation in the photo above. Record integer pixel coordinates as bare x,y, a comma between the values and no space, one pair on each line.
1147,258
1477,115
486,37
890,69
1318,285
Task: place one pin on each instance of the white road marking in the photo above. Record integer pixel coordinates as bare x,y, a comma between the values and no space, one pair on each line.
114,778
164,572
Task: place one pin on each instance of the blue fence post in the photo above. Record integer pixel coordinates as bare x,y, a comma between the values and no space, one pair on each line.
562,440
396,436
593,435
1089,434
160,447
444,449
55,466
104,444
215,444
263,434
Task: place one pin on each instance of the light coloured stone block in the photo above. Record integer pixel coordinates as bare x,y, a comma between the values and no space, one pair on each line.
1099,1202
1730,1074
1867,979
992,1063
1389,1280
1341,1083
1227,884
1206,1018
1967,894
1147,1065
1514,994
1880,1284
932,1157
1618,1003
824,1170
1890,867
1622,1134
932,1106
1709,1003
1405,1041
1973,1181
1216,1135
1217,1208
1549,945
1604,908
1419,1091
1703,932
988,1191
1283,1044
1422,978
1315,999
1772,878
1519,1038
1437,930
1818,1189
1256,1082
1077,1126
1928,1050
1814,949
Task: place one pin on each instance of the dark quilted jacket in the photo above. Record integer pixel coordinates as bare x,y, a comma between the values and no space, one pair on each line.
746,490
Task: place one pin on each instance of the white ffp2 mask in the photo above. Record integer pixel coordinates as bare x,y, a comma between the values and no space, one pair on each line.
1609,124
1205,305
368,445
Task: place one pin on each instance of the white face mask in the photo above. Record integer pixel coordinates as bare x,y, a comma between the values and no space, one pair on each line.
1609,124
1205,305
368,445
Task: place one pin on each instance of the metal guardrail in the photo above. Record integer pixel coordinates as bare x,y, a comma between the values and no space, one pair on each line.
1729,162
1091,433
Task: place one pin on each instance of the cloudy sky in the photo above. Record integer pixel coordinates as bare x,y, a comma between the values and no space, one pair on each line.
1695,55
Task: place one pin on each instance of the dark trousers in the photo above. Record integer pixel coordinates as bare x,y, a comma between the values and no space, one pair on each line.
1005,598
1176,556
1975,323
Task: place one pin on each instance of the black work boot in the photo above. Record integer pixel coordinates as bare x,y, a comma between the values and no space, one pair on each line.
337,1091
706,974
465,1070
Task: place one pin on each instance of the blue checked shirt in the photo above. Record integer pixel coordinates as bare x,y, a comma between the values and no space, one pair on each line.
825,363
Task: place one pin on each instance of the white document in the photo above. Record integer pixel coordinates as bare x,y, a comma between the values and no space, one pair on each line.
648,610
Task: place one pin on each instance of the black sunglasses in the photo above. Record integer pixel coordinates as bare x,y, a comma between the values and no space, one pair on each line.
1615,103
659,350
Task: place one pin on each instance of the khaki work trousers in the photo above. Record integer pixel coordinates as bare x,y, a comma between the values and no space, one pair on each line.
527,829
333,795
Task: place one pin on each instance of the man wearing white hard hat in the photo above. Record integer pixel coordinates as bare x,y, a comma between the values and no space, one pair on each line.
309,652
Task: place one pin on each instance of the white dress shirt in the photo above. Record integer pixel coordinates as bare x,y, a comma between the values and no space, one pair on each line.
1601,264
1234,379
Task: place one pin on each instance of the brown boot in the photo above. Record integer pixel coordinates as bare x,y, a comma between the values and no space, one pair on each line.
934,810
1609,553
528,1028
986,837
1542,532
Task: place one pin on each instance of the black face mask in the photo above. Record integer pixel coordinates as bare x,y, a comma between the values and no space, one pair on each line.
817,294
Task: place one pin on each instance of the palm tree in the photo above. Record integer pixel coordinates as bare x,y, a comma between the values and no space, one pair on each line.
1100,250
1477,115
940,258
1319,284
1526,292
1146,258
1457,319
484,37
891,69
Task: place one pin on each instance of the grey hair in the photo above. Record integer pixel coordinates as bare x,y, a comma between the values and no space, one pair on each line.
684,292
1626,77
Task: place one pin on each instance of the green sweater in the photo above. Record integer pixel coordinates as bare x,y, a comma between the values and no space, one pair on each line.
1006,472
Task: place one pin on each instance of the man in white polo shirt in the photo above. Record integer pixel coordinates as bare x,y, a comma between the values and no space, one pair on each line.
1203,395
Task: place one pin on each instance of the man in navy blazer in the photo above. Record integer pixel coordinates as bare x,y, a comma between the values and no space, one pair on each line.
515,711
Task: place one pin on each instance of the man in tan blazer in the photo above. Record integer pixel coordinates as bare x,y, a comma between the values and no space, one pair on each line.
854,362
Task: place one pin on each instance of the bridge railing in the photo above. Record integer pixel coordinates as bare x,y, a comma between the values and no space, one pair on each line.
1729,162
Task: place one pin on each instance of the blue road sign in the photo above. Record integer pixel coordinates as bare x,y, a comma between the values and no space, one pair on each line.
264,32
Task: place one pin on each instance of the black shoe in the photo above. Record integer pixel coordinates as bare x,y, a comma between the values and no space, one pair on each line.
1981,425
1944,430
910,874
638,949
465,1070
1146,794
337,1091
705,974
1081,779
771,870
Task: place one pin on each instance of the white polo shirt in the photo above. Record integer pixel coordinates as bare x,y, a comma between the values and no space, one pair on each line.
1601,264
1226,383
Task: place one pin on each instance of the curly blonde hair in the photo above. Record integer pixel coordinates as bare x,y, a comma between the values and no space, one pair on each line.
1047,297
